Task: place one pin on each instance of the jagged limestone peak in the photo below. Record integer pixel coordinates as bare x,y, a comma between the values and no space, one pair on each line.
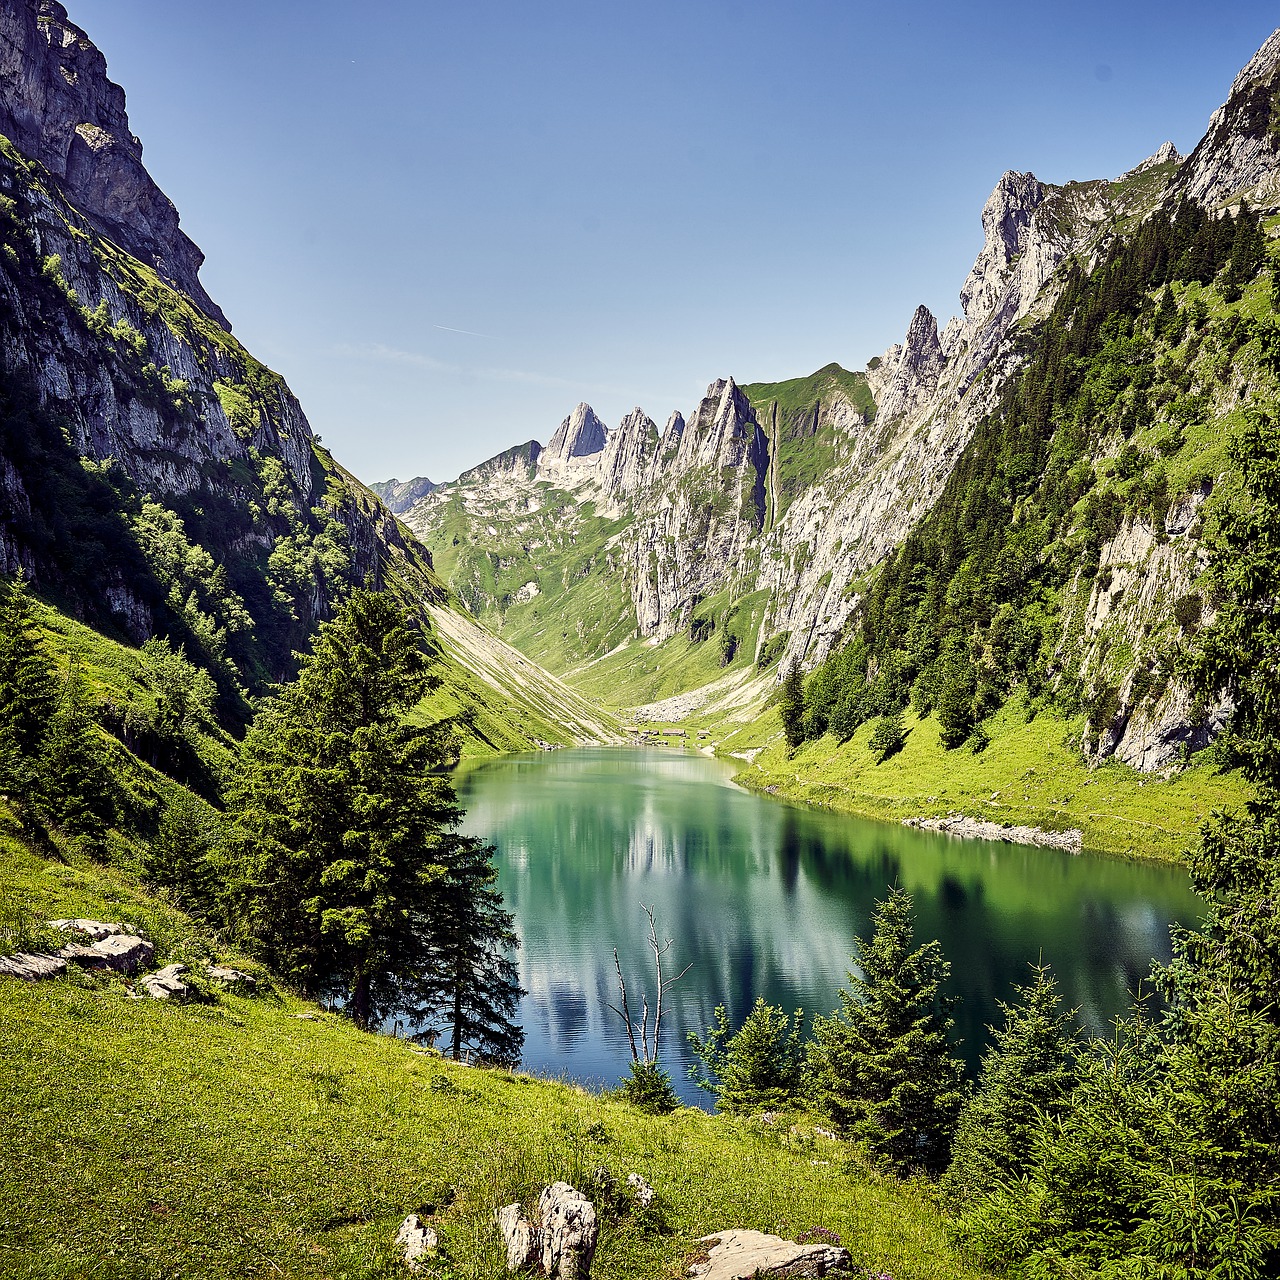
918,366
1167,154
1006,218
580,435
1238,155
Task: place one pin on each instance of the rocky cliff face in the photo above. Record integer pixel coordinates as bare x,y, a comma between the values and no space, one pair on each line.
399,495
153,474
58,107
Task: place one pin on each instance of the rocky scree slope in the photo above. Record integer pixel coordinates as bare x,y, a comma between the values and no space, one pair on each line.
155,477
768,512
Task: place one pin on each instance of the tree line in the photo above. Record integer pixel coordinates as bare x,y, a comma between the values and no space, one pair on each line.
967,609
332,852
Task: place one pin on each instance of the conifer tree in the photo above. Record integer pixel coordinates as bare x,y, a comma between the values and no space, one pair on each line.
882,1064
342,835
472,988
1027,1073
760,1067
28,691
791,707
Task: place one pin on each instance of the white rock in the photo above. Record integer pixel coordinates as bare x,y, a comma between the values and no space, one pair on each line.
742,1255
415,1241
522,1238
31,968
230,977
166,983
569,1231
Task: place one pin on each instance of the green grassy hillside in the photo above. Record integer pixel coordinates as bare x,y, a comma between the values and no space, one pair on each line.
262,1136
1031,774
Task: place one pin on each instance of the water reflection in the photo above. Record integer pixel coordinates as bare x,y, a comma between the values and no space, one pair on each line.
765,899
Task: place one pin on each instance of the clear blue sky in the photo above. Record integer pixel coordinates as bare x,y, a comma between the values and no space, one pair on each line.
446,223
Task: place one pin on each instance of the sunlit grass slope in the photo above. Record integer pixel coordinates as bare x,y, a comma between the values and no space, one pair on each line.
1031,774
266,1137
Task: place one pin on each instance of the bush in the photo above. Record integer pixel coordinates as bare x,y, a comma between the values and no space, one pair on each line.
649,1088
888,737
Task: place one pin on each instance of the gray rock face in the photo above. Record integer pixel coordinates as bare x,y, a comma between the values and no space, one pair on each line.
569,1231
166,983
580,435
1238,153
522,1239
415,1241
628,458
58,106
399,495
1006,833
742,1255
641,1191
121,951
31,968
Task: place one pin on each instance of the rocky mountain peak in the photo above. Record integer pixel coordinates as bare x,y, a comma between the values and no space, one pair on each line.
918,365
1239,154
58,106
628,455
1167,154
1005,219
580,435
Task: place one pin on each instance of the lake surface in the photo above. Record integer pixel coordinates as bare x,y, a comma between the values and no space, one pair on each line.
766,898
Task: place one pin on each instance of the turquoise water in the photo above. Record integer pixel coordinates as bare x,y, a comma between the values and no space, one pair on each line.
765,898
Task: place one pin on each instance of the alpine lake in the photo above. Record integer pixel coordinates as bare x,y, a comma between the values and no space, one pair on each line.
765,898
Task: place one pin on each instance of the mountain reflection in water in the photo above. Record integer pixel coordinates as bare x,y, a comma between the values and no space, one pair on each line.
766,898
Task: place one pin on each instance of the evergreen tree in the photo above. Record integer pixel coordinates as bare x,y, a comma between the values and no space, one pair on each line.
342,831
1027,1073
179,858
791,707
760,1067
888,737
75,785
955,697
882,1064
28,691
472,987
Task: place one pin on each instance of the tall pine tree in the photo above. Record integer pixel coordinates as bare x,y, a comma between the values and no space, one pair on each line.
342,846
882,1064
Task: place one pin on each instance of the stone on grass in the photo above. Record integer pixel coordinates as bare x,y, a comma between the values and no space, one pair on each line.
96,929
741,1255
166,983
31,968
569,1231
229,977
120,951
521,1237
642,1191
415,1241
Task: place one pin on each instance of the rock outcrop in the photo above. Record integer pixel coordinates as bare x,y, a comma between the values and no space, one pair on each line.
58,107
563,1241
744,1255
1239,154
399,495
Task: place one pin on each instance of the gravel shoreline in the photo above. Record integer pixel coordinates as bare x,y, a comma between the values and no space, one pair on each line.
957,824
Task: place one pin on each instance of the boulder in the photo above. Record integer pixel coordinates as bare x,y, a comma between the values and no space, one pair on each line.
569,1231
521,1237
166,983
96,929
31,968
120,951
415,1241
641,1191
230,977
742,1255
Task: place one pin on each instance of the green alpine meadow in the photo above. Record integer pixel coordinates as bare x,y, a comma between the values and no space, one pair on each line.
830,828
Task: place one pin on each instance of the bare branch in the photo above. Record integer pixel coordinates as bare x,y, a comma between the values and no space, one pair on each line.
624,1013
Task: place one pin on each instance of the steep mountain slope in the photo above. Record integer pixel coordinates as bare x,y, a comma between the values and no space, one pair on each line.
155,477
765,518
